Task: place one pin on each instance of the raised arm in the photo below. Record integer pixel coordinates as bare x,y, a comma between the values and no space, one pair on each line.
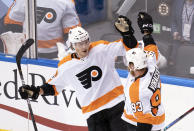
123,26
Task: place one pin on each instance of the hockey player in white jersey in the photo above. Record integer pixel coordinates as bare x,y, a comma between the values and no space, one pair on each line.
91,72
54,19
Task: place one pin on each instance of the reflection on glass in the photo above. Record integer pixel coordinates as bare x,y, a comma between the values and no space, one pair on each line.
173,27
10,30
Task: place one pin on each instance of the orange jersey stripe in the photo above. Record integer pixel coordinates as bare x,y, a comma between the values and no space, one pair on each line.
146,118
49,43
134,96
53,76
56,92
7,20
66,30
65,59
93,44
103,99
153,48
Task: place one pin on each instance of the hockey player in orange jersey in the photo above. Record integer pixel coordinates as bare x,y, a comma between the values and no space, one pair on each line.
143,105
91,72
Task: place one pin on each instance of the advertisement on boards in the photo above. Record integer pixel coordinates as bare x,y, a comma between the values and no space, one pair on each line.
63,112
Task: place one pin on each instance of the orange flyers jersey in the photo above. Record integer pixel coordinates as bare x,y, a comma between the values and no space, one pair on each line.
143,98
94,78
54,18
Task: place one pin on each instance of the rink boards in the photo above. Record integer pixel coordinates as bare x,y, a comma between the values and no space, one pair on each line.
63,112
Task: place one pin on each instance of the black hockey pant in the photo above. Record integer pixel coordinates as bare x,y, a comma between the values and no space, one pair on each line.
109,120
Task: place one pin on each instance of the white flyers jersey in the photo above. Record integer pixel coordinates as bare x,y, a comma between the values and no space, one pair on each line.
94,78
54,19
143,98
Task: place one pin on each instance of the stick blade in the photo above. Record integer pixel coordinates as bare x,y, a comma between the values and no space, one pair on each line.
23,49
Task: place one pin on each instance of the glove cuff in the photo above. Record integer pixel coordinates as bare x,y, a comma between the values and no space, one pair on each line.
130,41
148,39
47,89
36,92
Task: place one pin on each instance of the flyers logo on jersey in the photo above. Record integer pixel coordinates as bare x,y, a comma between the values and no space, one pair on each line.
154,86
47,14
93,73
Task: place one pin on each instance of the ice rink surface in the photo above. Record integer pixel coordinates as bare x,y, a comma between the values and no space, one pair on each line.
178,100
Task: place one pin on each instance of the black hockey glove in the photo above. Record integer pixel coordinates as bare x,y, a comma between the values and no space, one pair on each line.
123,26
145,22
27,91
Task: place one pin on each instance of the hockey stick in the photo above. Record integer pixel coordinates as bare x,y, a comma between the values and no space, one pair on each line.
19,55
178,119
125,7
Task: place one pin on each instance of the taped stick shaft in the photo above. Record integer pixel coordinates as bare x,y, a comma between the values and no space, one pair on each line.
178,119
